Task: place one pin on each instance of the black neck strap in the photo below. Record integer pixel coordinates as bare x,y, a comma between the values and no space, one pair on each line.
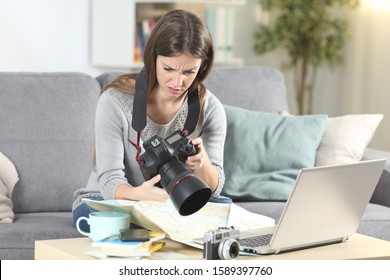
139,105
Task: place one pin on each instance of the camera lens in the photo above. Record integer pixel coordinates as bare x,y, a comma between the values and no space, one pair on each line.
228,249
188,193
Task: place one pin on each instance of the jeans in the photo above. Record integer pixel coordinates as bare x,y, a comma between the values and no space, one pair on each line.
83,211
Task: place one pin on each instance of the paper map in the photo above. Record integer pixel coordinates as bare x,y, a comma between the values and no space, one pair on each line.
158,216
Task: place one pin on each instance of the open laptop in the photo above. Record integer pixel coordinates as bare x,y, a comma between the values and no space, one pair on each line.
325,207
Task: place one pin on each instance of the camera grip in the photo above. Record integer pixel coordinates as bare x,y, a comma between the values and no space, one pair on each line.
185,151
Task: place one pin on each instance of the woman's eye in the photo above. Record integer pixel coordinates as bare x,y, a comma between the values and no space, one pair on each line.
187,73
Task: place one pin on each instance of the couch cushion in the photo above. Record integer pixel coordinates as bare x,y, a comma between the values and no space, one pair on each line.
381,194
253,88
17,239
106,78
47,131
346,138
265,151
376,221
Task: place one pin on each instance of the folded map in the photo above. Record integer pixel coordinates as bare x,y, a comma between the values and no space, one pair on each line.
163,217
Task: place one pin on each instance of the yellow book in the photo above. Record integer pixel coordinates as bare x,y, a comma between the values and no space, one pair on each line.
117,248
155,246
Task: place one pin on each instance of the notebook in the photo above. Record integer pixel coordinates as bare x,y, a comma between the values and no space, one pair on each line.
325,207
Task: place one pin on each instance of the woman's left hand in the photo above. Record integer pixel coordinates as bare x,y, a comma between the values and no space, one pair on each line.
196,161
202,166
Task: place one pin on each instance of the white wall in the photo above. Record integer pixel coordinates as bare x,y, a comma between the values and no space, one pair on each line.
45,36
360,85
53,35
366,84
329,82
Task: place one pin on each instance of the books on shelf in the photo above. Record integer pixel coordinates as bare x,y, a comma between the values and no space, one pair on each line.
128,23
142,34
220,22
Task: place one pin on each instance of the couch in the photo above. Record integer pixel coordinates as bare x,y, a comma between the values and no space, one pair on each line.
47,132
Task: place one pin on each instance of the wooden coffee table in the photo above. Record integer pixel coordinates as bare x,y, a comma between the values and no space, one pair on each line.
357,247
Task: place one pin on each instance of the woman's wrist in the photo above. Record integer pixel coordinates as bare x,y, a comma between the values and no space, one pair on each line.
147,191
125,191
208,174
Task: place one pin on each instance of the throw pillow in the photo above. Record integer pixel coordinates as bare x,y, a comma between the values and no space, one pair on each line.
8,179
346,137
265,151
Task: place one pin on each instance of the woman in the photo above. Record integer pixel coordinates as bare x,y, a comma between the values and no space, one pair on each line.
178,57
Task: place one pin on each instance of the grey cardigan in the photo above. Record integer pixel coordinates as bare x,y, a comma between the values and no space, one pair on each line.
115,156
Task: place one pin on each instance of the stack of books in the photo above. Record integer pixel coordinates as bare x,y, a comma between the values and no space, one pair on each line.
114,248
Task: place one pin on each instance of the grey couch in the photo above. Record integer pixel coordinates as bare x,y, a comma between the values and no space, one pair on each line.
47,131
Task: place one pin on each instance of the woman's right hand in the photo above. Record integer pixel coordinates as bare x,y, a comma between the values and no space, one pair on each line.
147,191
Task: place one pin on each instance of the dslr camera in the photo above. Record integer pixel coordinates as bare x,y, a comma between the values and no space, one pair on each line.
166,157
221,244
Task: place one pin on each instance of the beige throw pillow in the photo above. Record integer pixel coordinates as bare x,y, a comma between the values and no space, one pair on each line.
8,179
346,137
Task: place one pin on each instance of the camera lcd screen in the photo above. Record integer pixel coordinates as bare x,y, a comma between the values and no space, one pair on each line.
173,138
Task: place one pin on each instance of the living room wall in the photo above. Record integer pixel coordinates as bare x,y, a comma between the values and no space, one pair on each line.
45,35
366,78
53,35
359,85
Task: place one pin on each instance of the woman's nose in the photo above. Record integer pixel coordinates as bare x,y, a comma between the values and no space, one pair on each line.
178,81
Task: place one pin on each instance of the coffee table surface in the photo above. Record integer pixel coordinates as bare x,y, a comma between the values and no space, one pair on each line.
357,247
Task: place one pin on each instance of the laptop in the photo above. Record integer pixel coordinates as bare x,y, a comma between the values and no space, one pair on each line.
325,207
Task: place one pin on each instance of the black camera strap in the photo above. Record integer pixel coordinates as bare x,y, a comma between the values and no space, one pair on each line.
139,110
193,112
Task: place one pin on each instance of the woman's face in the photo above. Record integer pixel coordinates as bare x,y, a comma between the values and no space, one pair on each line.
175,74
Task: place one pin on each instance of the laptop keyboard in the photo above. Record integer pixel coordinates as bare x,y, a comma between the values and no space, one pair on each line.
256,241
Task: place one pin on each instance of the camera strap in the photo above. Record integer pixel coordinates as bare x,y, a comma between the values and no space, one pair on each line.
139,106
139,110
193,112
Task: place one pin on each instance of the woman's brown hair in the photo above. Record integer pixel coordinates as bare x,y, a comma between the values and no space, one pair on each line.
177,32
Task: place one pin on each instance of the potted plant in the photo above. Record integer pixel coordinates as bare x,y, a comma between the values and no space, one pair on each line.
311,32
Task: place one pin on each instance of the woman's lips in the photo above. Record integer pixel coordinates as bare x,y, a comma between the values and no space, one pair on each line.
174,91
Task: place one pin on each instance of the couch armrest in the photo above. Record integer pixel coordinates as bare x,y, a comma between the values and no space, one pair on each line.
382,192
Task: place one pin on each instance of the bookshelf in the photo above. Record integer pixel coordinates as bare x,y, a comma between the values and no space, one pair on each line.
119,28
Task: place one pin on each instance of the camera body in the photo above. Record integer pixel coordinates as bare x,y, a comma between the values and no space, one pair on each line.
158,151
166,157
221,244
